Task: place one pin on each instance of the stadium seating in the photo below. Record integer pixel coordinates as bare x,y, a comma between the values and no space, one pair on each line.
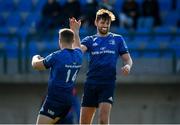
162,34
13,22
145,22
22,16
171,19
165,5
7,5
177,37
142,35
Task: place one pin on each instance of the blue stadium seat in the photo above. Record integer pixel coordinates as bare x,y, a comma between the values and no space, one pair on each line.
4,29
162,34
157,45
136,45
43,47
14,20
24,6
118,6
62,2
142,35
11,51
177,37
23,31
150,46
3,40
134,54
50,46
7,5
33,49
119,30
165,5
176,47
32,19
12,48
1,20
5,15
151,54
139,1
38,6
82,2
178,5
171,18
122,31
83,33
24,16
145,22
132,46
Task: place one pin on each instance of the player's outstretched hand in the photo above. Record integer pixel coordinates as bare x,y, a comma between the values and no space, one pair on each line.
125,70
74,24
37,57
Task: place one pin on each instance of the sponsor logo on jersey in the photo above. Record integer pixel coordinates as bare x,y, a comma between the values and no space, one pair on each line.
111,42
51,112
110,98
94,44
103,52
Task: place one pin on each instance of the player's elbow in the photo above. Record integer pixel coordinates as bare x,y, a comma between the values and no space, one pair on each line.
131,62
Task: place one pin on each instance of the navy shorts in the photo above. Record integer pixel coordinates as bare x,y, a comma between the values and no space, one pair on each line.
95,94
55,108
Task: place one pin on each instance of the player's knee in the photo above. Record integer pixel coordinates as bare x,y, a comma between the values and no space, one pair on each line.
103,118
103,121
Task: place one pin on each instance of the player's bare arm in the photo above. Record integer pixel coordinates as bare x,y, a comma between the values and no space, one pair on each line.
127,61
75,26
37,62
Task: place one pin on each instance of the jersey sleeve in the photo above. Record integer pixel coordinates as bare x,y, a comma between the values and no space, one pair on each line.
122,47
79,50
86,42
49,60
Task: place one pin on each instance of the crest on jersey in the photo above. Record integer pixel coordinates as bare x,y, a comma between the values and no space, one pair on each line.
94,44
111,42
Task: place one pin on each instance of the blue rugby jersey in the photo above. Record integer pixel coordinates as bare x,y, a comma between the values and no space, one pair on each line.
65,65
103,52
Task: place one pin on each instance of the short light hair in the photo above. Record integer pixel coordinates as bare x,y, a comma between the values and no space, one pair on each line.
66,35
105,15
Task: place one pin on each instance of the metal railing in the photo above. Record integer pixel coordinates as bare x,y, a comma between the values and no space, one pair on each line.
4,55
19,49
36,37
161,52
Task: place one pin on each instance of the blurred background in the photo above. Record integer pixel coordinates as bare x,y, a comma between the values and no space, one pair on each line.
151,29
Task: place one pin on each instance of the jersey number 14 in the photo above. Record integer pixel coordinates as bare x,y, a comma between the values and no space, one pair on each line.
73,76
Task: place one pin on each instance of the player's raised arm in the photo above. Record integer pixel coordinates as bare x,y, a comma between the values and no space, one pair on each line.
37,62
75,26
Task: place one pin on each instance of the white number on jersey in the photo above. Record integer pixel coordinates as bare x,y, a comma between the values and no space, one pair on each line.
68,76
